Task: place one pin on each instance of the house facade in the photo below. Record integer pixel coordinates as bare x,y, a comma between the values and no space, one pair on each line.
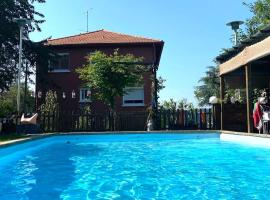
72,52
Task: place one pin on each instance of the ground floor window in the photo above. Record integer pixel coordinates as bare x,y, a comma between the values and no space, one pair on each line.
85,95
134,96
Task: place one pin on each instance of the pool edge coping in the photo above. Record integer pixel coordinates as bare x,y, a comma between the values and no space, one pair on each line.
45,135
245,134
33,137
28,138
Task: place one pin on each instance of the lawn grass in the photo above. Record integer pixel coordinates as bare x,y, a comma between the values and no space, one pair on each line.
9,137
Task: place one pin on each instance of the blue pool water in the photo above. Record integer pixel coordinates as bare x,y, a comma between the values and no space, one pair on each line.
155,166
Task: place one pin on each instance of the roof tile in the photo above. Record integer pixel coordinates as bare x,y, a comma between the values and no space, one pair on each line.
100,37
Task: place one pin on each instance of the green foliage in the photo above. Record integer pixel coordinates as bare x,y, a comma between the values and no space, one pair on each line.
86,108
9,37
260,10
173,105
160,85
183,104
8,101
256,93
108,75
169,105
210,86
50,104
239,95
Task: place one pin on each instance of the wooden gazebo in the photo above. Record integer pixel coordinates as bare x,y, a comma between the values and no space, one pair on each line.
245,67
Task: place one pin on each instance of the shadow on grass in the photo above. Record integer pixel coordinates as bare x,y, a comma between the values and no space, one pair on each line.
9,137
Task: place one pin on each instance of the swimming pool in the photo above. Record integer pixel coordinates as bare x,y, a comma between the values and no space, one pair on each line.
134,166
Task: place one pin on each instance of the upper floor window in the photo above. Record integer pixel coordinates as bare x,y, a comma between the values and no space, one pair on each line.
85,95
134,96
59,63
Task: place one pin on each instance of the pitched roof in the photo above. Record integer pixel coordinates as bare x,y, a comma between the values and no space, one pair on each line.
100,37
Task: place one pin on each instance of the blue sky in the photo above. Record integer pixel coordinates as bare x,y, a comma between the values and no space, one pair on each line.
194,31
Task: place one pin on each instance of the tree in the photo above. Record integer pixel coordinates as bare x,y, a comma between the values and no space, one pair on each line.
260,10
183,104
160,85
210,86
8,101
173,105
9,37
108,75
169,105
50,104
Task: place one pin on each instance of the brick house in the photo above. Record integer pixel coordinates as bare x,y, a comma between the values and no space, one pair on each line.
72,51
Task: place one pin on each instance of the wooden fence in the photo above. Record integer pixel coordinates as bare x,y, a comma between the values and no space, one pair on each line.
235,117
8,124
72,121
195,119
80,121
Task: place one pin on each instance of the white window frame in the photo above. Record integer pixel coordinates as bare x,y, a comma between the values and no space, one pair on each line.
60,70
124,104
84,100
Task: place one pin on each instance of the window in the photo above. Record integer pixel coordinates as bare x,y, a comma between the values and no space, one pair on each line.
134,96
59,63
85,95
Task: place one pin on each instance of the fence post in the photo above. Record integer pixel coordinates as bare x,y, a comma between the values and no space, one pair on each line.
164,113
44,121
185,118
200,117
217,116
53,121
210,118
192,117
156,119
178,118
205,119
169,120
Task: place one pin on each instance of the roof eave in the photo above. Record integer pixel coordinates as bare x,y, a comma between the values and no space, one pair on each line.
102,44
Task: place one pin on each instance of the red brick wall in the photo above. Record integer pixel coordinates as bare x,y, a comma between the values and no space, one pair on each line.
69,81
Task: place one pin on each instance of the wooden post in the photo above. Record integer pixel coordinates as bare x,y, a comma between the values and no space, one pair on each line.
200,117
222,88
196,118
177,119
248,96
209,119
216,116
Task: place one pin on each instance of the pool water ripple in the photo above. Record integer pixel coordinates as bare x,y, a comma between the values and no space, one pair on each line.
137,167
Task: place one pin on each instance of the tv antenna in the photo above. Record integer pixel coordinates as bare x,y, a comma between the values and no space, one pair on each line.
87,19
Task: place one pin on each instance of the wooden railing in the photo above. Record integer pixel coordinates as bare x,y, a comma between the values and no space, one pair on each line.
83,121
74,121
80,121
8,124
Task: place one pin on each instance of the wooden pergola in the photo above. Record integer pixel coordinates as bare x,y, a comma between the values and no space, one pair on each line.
245,66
